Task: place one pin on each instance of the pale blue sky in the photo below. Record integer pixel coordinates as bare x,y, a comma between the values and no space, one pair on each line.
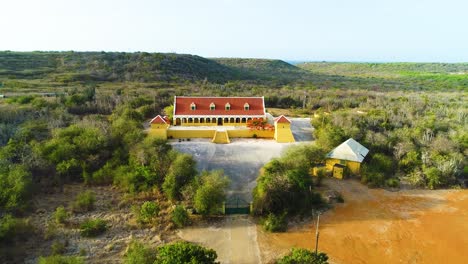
335,30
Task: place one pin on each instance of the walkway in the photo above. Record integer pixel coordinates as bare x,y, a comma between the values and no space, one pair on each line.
234,239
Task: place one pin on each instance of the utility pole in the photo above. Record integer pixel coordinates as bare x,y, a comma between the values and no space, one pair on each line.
317,234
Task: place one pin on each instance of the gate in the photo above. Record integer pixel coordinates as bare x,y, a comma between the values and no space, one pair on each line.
236,205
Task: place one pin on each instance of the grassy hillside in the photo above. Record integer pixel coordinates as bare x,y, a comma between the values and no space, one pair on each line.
67,67
265,69
415,76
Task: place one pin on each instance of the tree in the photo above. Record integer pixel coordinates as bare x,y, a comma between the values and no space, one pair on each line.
210,193
181,172
15,187
303,256
185,252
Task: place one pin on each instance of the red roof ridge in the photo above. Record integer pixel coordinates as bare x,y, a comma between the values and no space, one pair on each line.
158,120
282,119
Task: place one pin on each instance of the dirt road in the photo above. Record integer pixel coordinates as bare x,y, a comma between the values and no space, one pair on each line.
234,239
378,226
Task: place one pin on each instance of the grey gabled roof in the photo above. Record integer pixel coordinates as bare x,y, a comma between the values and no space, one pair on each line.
349,150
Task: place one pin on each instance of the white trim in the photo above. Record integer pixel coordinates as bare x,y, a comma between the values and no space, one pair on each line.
157,117
174,110
264,109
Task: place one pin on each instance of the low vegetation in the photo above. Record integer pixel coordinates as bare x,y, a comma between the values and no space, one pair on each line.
285,187
77,118
179,252
58,259
93,227
180,216
84,202
303,256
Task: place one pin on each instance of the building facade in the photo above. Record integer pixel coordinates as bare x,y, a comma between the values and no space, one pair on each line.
217,111
221,118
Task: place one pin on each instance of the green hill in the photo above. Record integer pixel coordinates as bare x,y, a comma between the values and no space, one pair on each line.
65,67
266,69
414,76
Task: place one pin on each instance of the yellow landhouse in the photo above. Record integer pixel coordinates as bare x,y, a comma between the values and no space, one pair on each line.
221,118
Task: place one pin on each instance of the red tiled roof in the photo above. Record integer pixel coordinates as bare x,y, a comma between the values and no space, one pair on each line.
282,119
182,106
158,120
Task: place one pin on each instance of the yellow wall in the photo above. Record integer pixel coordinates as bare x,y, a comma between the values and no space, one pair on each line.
234,124
353,166
190,133
158,130
247,133
283,133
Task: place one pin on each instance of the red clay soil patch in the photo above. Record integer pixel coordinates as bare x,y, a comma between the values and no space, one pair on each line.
378,226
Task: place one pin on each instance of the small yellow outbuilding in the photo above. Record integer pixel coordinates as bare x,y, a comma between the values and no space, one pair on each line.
346,157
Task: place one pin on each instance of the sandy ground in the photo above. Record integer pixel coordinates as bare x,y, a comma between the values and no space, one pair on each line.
378,226
234,239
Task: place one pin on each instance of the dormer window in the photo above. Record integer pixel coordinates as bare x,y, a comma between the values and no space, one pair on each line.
227,107
246,106
193,106
212,106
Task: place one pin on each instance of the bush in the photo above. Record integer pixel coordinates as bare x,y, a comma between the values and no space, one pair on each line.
392,183
147,212
61,215
181,172
137,253
179,252
303,256
185,252
15,185
210,193
13,228
58,248
84,202
275,223
180,216
57,259
339,198
93,227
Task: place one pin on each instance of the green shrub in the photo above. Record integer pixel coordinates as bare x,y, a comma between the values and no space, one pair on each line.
61,215
15,187
147,212
275,223
180,216
84,202
179,252
392,183
101,176
13,228
303,256
340,198
433,176
137,253
181,172
185,252
210,193
58,248
57,259
93,227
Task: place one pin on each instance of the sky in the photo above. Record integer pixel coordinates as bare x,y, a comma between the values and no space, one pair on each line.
293,30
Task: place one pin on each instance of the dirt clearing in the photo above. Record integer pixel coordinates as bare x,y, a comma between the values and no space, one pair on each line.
378,226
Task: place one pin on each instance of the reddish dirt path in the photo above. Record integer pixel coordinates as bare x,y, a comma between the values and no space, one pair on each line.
378,226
